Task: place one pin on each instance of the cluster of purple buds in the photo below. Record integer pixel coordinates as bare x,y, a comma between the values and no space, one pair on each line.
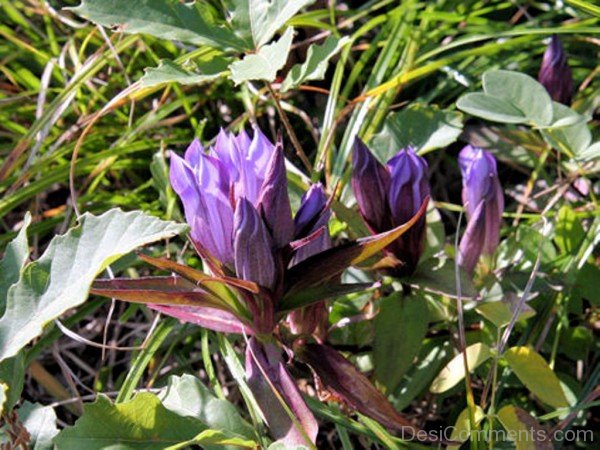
388,196
555,73
265,266
484,203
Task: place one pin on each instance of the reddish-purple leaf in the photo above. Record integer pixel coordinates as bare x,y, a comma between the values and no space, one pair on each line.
206,317
198,276
341,377
325,265
156,290
271,385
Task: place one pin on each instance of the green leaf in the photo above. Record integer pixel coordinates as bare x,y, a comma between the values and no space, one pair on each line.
491,108
462,427
592,153
216,439
259,20
523,429
12,375
509,97
569,131
61,278
40,422
315,66
454,371
15,255
400,327
569,233
171,72
439,277
500,312
264,64
424,127
166,19
187,396
142,423
536,375
521,91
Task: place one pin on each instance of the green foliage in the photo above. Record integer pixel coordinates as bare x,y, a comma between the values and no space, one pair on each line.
424,128
400,327
392,73
535,373
265,63
315,66
61,278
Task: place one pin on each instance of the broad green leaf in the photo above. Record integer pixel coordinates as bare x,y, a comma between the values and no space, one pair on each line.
40,422
491,108
264,64
432,357
12,375
259,20
216,439
536,375
400,327
423,127
166,19
15,256
509,97
500,312
171,72
569,233
142,423
462,426
187,396
439,277
454,371
61,278
569,131
523,429
315,66
521,91
592,153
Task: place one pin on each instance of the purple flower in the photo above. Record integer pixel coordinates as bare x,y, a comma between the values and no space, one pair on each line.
236,202
389,196
484,203
555,73
312,216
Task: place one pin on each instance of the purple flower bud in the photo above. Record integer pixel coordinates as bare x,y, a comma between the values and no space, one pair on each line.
484,203
313,214
370,183
389,196
555,73
409,188
274,201
252,246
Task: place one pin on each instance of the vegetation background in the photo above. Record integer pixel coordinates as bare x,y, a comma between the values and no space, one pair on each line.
395,81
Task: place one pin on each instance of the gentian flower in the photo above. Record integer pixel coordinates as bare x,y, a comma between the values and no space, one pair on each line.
484,203
263,266
388,196
555,73
312,216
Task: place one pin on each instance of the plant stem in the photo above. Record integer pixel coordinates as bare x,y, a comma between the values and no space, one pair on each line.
290,130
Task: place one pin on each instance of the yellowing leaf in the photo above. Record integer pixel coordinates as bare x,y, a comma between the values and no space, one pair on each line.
455,369
536,375
523,429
